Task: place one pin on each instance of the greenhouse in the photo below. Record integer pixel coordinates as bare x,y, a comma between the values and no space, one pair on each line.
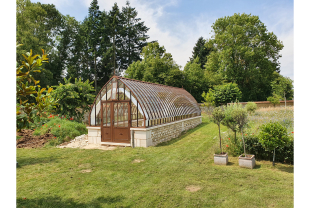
140,114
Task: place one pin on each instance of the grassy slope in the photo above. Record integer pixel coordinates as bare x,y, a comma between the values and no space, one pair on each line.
51,177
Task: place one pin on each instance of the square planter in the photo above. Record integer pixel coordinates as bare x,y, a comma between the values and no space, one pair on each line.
221,159
247,162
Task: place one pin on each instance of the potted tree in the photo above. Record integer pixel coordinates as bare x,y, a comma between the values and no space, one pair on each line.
220,158
240,116
272,136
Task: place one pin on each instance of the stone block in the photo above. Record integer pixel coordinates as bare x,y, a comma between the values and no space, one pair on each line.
220,159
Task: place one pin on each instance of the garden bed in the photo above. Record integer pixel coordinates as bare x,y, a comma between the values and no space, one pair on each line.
28,140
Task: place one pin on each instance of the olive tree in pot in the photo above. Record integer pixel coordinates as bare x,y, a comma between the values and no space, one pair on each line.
272,136
220,158
240,116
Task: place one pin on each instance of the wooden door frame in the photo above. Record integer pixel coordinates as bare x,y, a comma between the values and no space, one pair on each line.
112,118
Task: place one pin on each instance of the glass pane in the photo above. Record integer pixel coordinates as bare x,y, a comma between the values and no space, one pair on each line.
115,114
104,114
108,115
92,117
114,85
125,114
109,90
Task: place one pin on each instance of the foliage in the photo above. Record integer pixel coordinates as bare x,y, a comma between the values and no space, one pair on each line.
37,26
156,66
272,136
217,117
201,50
275,99
223,94
195,81
283,86
240,117
229,120
64,129
251,107
245,53
74,99
25,110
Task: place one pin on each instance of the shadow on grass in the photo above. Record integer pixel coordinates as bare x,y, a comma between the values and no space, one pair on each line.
230,163
183,134
23,161
286,169
257,166
58,202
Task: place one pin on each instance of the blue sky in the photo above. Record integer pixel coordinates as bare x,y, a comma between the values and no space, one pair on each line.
177,24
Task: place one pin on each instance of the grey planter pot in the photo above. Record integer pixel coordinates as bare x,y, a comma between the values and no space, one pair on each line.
247,162
221,159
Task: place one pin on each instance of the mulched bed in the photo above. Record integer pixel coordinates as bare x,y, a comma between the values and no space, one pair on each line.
28,140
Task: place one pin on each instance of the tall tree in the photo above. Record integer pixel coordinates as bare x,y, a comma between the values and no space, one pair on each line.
195,82
37,26
156,66
245,53
133,36
283,86
201,50
115,26
94,36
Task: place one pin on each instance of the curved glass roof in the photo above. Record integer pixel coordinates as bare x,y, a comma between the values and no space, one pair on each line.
151,104
161,101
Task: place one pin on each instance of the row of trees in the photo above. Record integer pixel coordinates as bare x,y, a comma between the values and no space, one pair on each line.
104,43
241,51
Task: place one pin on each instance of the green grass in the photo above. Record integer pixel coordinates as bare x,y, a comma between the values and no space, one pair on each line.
52,177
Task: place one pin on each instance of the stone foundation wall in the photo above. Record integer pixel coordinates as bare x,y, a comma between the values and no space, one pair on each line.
151,136
166,133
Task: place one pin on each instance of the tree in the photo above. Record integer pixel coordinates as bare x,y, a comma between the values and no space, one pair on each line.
37,26
74,99
229,120
274,99
283,86
245,53
195,82
251,107
272,136
201,50
133,36
26,111
223,94
240,117
156,66
217,117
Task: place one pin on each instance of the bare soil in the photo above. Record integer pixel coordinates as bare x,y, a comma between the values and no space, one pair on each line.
28,140
193,188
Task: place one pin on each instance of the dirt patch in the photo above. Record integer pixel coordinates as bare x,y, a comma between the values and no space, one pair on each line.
28,140
137,161
86,171
85,165
192,188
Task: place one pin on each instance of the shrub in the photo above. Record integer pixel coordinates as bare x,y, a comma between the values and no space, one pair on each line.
62,128
251,107
74,96
273,135
275,99
222,94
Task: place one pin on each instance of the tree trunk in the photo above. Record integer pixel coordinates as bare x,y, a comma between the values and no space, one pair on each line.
114,52
220,137
285,100
243,141
95,75
274,154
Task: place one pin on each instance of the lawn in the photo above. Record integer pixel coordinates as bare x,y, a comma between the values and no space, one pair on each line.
52,177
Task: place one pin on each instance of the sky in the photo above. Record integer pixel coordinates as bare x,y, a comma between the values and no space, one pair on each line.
177,24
